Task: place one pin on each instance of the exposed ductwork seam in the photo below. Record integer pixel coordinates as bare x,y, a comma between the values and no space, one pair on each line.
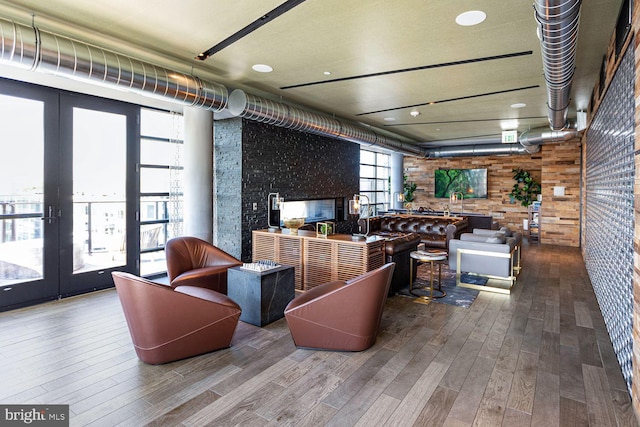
33,49
37,50
530,142
264,110
475,150
532,139
558,24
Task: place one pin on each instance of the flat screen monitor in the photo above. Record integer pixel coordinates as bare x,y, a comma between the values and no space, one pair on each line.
472,183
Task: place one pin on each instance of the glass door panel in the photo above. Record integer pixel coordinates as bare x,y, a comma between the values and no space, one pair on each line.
98,185
68,193
99,190
21,190
28,196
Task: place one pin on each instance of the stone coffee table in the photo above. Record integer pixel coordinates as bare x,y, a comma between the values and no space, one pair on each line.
262,295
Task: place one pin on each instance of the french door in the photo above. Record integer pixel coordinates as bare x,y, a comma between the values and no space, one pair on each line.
68,186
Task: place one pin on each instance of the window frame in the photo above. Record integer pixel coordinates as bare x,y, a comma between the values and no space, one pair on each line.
378,198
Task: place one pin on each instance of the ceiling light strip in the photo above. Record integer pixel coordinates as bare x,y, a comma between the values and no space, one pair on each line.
460,98
266,18
467,121
407,70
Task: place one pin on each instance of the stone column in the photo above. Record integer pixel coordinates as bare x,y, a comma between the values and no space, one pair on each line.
228,186
198,173
397,162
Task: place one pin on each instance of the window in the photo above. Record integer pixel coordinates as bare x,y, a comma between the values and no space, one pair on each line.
374,179
161,196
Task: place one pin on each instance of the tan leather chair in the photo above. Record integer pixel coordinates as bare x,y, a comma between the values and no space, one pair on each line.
340,315
195,262
168,324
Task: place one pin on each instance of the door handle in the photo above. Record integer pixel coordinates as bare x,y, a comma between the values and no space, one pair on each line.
51,217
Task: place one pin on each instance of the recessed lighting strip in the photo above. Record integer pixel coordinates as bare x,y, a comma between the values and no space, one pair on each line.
460,98
266,18
406,70
470,137
468,121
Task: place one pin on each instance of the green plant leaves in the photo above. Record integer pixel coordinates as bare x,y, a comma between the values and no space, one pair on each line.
526,188
408,189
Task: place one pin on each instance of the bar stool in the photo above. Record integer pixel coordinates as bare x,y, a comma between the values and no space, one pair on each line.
433,259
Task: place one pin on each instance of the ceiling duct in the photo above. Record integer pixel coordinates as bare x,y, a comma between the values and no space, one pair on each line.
37,50
558,23
33,49
264,110
461,141
531,140
475,150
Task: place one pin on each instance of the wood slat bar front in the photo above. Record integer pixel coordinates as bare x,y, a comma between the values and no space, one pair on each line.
318,260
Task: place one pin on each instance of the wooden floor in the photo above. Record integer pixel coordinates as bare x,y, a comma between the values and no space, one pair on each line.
539,357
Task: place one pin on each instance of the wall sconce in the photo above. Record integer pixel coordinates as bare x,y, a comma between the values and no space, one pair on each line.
274,202
355,208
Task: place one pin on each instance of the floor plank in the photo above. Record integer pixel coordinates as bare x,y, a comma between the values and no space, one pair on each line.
539,356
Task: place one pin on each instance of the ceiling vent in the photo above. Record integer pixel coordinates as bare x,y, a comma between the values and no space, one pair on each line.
558,23
264,110
37,50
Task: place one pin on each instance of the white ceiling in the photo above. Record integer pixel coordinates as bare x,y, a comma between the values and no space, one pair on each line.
352,38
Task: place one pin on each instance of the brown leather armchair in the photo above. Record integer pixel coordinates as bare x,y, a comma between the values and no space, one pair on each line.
340,315
168,324
195,262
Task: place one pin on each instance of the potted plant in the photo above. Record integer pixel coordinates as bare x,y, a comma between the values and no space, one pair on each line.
408,190
526,188
324,229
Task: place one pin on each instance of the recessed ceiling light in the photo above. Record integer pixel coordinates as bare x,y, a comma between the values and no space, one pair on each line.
389,119
518,105
471,17
327,73
262,68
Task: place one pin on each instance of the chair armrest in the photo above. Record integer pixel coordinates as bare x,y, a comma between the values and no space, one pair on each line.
504,248
375,224
454,230
482,258
472,237
484,231
313,294
517,236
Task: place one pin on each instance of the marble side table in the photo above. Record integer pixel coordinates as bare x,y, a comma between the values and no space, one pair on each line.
262,295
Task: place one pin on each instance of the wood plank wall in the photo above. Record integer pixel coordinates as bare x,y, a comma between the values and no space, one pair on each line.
553,165
560,215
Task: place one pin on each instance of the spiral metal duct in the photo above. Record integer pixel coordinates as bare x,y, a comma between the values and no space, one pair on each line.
475,150
558,23
532,139
264,110
36,50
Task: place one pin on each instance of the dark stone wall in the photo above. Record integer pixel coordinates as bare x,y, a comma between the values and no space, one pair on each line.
297,165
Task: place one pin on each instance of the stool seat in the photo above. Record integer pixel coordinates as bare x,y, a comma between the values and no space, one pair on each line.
431,257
